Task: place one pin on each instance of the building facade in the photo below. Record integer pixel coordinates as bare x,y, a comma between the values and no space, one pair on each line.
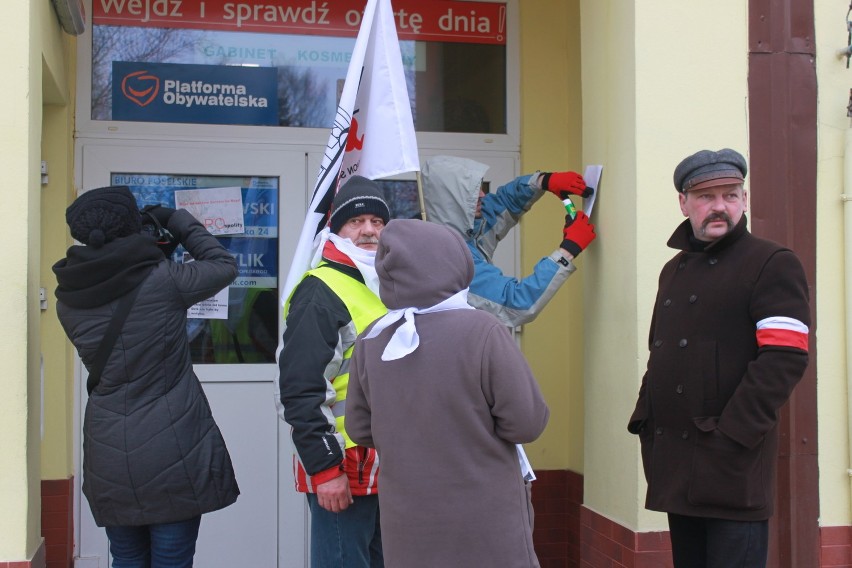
632,86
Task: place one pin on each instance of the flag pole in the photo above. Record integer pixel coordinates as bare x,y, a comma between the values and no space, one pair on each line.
373,130
420,196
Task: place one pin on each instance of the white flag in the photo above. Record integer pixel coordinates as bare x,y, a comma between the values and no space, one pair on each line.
373,132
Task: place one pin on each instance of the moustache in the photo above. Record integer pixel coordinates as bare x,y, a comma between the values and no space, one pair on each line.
718,217
367,241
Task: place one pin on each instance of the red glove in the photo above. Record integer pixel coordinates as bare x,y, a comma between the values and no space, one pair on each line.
563,184
577,233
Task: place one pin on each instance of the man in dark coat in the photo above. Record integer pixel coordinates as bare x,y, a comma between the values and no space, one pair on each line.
728,342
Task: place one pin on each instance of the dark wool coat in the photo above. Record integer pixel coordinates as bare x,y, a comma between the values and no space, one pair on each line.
709,400
445,418
152,451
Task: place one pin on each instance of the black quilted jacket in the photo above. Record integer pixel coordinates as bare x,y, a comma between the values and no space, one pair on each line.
152,451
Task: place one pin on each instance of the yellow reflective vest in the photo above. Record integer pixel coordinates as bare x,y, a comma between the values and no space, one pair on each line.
364,308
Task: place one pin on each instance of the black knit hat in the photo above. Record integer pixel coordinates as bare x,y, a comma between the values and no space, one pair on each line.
104,214
359,196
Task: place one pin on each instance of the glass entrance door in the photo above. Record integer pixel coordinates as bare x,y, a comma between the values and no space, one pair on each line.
233,339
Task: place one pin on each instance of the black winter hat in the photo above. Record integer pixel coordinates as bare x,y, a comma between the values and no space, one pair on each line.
359,196
708,168
102,215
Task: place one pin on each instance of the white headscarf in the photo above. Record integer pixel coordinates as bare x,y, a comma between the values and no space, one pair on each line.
405,338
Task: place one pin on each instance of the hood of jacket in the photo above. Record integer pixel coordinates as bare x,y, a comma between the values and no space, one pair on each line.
450,191
421,264
89,277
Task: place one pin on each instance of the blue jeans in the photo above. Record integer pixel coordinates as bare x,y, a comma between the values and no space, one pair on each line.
166,545
350,539
699,542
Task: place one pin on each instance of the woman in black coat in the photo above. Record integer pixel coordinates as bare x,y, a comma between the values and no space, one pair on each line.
154,459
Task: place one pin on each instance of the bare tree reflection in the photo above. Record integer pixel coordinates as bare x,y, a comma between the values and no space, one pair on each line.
302,98
119,43
402,198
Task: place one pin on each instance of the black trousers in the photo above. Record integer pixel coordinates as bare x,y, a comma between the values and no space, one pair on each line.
699,542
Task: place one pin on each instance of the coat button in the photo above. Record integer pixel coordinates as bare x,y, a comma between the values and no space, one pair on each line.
681,266
658,342
693,299
713,260
682,343
667,303
659,431
685,435
679,389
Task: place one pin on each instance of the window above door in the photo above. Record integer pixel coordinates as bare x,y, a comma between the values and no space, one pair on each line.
263,65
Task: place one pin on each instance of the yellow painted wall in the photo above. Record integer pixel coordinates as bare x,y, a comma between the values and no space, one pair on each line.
18,425
550,141
834,81
648,102
19,406
57,448
34,72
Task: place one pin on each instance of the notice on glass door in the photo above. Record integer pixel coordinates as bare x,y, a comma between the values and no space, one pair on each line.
215,307
219,209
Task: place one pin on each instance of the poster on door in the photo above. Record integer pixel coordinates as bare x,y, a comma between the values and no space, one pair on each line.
219,209
255,246
239,325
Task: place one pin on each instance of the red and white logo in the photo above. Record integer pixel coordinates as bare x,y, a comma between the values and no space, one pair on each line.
140,87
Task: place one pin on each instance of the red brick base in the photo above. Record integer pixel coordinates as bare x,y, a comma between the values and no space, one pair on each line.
606,544
835,547
568,535
57,524
557,497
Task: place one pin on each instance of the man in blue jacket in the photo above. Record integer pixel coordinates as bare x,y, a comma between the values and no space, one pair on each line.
452,191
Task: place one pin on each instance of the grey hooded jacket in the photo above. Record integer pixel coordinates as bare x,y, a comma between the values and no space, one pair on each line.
450,191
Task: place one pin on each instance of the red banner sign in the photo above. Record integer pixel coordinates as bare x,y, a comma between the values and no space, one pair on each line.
435,20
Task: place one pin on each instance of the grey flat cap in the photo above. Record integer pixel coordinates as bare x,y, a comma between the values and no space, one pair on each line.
708,168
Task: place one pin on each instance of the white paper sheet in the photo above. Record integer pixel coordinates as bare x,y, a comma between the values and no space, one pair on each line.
219,209
526,468
592,177
215,307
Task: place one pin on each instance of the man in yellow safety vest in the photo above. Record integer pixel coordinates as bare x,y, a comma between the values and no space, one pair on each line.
327,310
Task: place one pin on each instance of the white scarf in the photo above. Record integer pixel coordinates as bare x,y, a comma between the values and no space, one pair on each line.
405,338
365,260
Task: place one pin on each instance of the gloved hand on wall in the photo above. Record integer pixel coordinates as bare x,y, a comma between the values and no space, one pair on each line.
563,184
577,233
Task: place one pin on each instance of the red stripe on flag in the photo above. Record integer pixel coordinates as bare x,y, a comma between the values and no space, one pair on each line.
783,338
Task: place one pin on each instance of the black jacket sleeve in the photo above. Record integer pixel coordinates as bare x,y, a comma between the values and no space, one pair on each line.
311,352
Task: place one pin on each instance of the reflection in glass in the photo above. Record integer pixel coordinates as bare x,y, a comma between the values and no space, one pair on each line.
248,333
461,86
402,198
